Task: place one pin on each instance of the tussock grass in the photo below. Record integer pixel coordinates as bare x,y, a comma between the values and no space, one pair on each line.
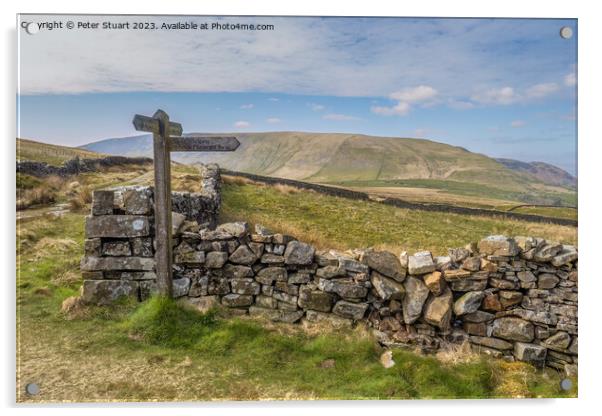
161,321
81,199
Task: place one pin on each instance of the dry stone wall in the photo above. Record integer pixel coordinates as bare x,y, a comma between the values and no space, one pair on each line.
514,298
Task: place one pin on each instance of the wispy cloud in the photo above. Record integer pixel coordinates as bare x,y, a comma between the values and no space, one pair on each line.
509,95
541,90
339,117
241,124
405,98
315,107
570,80
273,120
273,99
247,106
503,96
365,57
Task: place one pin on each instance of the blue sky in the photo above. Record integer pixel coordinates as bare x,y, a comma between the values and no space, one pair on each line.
503,87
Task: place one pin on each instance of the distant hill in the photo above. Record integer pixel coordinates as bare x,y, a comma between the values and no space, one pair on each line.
546,173
50,153
339,157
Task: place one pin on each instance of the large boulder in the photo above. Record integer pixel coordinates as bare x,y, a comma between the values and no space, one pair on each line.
385,263
468,303
298,253
435,282
350,310
234,229
490,342
567,255
532,353
513,329
498,245
438,310
509,298
186,254
272,274
245,286
180,287
385,287
276,315
344,288
216,259
235,271
413,301
117,263
234,300
315,300
547,281
117,226
105,292
547,252
137,200
421,263
102,202
328,318
559,341
243,255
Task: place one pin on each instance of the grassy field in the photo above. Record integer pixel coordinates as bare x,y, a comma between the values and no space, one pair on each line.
49,153
539,195
341,223
159,351
440,196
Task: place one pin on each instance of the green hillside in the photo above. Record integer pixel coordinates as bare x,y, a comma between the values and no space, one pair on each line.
343,158
50,153
334,157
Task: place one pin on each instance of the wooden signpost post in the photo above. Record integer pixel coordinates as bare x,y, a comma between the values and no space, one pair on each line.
167,137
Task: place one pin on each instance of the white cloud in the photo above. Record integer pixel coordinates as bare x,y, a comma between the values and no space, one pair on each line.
541,90
242,124
339,117
247,106
401,109
517,123
273,99
460,104
503,96
406,97
273,120
570,80
509,95
411,95
452,55
316,107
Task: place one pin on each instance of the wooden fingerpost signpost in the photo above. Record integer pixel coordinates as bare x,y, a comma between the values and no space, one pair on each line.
167,137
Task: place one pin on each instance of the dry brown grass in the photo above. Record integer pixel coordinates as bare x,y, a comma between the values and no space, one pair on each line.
66,278
81,199
286,189
37,196
457,354
426,195
238,180
48,245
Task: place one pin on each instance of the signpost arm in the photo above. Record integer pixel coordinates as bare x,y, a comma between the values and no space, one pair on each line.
163,254
167,138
